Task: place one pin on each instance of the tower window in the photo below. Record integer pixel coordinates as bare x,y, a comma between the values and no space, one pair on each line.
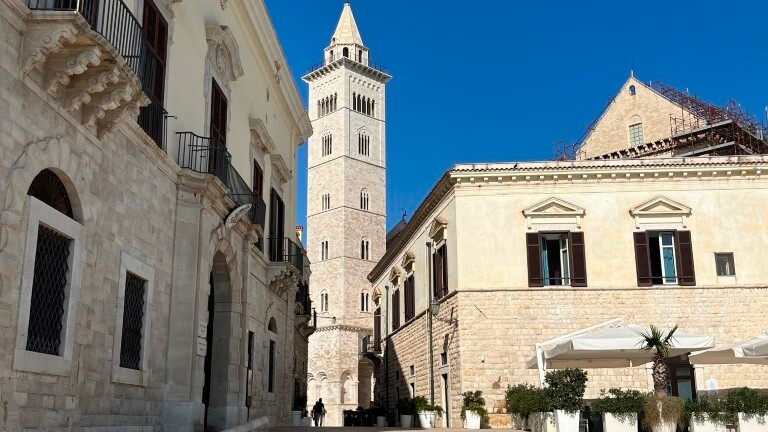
365,249
632,90
364,199
326,201
364,302
327,144
635,134
324,250
360,56
324,302
363,144
346,52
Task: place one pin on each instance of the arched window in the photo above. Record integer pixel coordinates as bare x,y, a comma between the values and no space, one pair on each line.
373,108
324,302
327,142
326,201
365,249
346,52
364,302
364,199
354,101
331,58
360,56
632,90
635,134
363,143
323,250
368,107
335,96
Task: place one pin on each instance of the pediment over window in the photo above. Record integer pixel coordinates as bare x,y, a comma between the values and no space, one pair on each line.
661,211
437,228
407,262
394,276
376,296
280,169
260,137
223,52
554,211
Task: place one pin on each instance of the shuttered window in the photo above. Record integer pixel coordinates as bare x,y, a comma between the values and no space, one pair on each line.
664,258
377,330
396,310
556,258
410,298
440,271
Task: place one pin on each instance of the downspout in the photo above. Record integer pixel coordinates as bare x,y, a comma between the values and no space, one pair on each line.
430,296
386,350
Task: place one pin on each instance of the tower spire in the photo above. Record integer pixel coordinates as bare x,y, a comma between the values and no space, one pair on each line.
346,30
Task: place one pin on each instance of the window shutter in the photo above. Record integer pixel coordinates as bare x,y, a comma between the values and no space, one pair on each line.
396,310
444,267
578,259
686,274
377,330
533,245
642,259
437,273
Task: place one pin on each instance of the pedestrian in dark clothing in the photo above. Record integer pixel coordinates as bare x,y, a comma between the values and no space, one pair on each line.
318,413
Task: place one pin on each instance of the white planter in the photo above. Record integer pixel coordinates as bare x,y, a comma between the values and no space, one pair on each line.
306,421
665,427
405,420
381,421
427,419
704,425
472,420
542,422
752,423
296,418
567,421
612,423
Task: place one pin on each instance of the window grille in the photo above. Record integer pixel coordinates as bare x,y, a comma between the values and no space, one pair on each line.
133,320
635,134
48,292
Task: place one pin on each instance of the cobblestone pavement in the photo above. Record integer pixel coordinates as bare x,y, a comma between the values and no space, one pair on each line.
363,429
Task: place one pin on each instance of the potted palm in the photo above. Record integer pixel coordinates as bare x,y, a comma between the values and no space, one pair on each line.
427,412
619,409
750,407
565,392
662,412
708,415
473,410
406,408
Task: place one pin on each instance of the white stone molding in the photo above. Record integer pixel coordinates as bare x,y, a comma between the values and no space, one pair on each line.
280,168
260,137
395,275
285,280
554,212
223,53
408,261
119,374
437,229
29,361
661,212
376,296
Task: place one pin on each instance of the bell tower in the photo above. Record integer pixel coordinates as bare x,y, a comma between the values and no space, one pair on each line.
346,215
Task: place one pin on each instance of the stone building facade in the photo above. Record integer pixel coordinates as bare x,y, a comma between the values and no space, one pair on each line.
147,280
346,215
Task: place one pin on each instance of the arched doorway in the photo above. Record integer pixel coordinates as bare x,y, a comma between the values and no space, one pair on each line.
221,389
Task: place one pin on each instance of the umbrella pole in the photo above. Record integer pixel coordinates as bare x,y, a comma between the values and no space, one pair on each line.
540,364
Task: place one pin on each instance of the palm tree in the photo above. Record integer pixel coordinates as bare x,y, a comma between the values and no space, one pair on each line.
660,344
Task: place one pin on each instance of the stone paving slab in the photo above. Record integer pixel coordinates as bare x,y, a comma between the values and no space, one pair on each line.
368,429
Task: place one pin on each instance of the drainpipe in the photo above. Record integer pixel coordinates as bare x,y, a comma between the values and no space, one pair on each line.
386,351
430,294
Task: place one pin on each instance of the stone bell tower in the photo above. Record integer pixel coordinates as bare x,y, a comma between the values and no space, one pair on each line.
346,215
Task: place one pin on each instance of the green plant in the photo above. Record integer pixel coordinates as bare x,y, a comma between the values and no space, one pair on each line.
474,401
422,405
709,409
525,399
660,409
624,404
565,389
660,344
406,406
747,401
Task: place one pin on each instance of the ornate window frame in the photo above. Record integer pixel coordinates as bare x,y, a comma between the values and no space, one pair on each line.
554,214
660,213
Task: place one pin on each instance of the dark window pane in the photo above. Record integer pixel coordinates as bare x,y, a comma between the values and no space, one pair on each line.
133,321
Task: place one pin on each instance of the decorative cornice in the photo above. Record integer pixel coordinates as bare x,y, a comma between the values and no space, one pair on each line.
282,170
260,136
223,52
348,63
344,327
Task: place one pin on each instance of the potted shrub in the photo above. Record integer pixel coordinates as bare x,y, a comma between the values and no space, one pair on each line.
405,408
565,392
750,407
427,412
473,410
669,410
619,409
708,415
522,401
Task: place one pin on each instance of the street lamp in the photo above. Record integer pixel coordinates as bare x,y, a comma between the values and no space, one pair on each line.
434,307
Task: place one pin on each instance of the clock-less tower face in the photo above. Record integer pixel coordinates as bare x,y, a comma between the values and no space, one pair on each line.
346,213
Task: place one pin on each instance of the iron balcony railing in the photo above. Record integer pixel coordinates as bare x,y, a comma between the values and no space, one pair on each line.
283,249
302,297
370,345
370,64
207,155
116,23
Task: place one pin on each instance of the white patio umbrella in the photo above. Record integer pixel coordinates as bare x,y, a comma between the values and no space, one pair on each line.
614,347
753,351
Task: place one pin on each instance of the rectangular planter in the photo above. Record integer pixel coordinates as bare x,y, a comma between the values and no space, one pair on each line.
542,422
704,425
752,423
612,423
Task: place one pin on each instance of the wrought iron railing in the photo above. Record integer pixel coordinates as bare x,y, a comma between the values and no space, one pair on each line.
116,23
302,297
369,63
283,249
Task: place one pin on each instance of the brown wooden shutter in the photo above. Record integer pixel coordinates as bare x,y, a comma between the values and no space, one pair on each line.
685,272
396,310
437,272
533,245
642,259
444,266
578,259
377,330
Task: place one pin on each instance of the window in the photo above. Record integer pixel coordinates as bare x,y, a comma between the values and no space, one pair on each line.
412,370
396,309
724,264
258,180
364,302
681,382
440,271
50,279
556,258
218,124
327,141
635,134
365,249
345,52
326,201
133,314
324,250
151,117
363,144
664,258
397,375
276,225
324,302
364,199
377,330
360,56
632,90
271,378
410,297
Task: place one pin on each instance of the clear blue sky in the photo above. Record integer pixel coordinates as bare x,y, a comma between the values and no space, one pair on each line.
499,80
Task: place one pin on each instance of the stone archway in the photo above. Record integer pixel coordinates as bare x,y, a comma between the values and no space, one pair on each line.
224,369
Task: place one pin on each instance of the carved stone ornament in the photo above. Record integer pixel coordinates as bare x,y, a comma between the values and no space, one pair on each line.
223,52
286,280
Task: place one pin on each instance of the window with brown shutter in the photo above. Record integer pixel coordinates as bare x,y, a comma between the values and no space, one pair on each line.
440,271
578,259
377,330
687,275
556,258
410,298
642,259
258,180
396,310
664,258
534,260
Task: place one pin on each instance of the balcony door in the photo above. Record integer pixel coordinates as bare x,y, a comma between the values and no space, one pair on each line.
152,117
218,132
276,226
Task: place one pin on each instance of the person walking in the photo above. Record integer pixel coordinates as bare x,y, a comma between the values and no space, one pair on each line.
318,413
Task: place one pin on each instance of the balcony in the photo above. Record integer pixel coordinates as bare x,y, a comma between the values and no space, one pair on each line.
283,249
93,58
207,156
367,64
370,346
303,302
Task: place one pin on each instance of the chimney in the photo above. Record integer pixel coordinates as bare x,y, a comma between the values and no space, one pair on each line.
299,232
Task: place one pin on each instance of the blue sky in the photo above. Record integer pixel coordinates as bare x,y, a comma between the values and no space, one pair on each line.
500,80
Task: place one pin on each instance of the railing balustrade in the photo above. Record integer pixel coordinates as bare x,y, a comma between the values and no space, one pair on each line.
369,63
302,297
283,249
